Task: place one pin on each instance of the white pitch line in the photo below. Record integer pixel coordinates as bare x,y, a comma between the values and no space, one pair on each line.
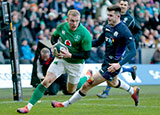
118,105
115,105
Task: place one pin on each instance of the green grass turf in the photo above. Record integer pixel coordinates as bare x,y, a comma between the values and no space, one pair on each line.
118,103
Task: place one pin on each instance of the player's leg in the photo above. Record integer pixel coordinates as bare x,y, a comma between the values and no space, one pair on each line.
132,69
105,93
97,79
54,71
74,72
71,88
80,83
41,88
84,79
134,91
39,92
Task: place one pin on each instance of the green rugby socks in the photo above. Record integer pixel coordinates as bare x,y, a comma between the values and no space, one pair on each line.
38,93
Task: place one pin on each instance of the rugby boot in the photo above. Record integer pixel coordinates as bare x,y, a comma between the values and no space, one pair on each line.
135,95
103,95
23,110
134,72
56,104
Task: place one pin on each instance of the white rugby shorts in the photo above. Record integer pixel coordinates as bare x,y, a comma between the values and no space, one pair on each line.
60,66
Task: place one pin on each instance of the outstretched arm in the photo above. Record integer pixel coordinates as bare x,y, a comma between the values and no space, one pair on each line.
97,42
132,52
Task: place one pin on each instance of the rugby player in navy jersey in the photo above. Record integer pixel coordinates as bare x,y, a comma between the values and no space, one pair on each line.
117,37
128,19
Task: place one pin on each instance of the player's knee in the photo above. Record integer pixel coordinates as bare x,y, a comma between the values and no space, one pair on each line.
110,85
71,90
118,84
49,79
47,82
86,86
113,84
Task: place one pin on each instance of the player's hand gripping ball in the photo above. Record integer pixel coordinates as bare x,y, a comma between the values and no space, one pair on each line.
57,48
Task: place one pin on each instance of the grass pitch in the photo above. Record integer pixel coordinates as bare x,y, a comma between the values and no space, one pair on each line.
118,103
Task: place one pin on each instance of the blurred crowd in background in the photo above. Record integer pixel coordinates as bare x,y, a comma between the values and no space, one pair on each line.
36,20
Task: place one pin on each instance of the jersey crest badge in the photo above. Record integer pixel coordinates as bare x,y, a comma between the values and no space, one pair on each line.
77,37
115,33
68,43
63,32
125,20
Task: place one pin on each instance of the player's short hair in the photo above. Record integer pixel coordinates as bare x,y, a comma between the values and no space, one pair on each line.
73,12
126,1
115,8
45,51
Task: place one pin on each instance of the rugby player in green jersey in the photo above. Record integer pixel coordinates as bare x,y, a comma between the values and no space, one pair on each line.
77,40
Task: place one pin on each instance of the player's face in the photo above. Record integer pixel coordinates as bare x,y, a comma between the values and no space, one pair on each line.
112,18
73,22
124,7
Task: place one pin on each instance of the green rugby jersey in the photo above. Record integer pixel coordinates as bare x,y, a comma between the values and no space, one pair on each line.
76,41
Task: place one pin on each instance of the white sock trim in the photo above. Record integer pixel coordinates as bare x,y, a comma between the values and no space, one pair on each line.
29,105
66,103
126,87
75,97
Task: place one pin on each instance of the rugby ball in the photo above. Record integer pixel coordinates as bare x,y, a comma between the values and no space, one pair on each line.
57,48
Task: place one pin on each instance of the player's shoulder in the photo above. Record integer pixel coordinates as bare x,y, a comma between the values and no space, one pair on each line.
83,29
122,28
127,17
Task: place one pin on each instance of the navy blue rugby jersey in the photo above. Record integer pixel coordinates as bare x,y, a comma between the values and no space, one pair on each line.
116,38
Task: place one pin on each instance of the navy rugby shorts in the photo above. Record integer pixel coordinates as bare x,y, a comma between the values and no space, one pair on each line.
104,71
